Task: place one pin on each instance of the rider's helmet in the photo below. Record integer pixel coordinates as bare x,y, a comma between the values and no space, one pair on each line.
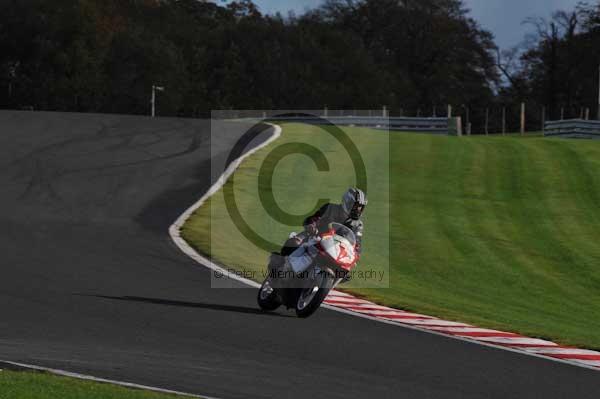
354,202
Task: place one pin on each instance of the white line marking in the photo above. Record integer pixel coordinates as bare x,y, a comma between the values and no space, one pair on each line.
348,301
334,294
594,363
516,341
433,322
562,351
385,313
78,376
458,330
370,306
174,232
175,229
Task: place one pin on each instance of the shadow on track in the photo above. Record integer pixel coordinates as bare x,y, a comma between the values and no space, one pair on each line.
169,302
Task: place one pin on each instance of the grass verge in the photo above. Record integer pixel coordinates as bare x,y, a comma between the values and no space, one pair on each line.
501,232
33,385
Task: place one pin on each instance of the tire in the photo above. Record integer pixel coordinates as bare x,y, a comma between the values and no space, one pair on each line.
267,302
310,308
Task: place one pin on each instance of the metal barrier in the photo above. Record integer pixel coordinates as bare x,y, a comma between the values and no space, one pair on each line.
425,125
573,128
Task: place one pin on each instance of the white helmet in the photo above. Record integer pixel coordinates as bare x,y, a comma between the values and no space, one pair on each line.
354,202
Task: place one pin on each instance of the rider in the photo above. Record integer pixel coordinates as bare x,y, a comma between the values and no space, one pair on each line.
348,213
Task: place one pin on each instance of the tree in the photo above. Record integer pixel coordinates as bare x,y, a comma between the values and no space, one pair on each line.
105,55
559,68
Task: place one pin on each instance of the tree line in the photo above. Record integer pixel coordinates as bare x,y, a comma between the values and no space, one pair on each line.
105,55
558,65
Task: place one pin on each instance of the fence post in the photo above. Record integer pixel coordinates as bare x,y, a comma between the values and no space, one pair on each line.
543,119
325,111
599,92
418,112
487,121
384,111
562,113
455,126
522,118
587,114
449,111
503,121
459,130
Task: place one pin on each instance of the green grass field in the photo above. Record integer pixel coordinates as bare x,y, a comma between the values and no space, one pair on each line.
25,385
502,232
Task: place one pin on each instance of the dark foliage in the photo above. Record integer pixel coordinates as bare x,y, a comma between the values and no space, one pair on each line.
559,67
105,55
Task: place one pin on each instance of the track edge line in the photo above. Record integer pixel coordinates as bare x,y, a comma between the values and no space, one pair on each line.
6,364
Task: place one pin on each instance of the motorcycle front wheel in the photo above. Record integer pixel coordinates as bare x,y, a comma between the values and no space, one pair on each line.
311,298
267,297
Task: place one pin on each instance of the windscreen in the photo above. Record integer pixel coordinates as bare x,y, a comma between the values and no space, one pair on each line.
343,231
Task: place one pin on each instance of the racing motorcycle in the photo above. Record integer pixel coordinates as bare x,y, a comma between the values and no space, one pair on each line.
314,269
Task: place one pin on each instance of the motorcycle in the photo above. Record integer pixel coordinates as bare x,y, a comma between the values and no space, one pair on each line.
315,268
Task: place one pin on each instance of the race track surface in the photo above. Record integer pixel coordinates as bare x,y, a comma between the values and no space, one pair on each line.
90,282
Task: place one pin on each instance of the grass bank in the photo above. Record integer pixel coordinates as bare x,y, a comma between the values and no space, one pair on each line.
502,232
21,385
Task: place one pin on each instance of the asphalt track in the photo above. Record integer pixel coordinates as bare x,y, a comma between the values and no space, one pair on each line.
90,282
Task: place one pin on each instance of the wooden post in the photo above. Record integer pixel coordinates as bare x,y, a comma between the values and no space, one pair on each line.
543,119
153,102
487,121
449,111
455,126
325,111
503,121
469,127
522,118
384,111
587,114
598,92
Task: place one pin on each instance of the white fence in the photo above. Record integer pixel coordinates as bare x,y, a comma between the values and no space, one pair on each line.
573,128
426,125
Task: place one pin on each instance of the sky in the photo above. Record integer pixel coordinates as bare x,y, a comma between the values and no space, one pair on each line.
502,17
